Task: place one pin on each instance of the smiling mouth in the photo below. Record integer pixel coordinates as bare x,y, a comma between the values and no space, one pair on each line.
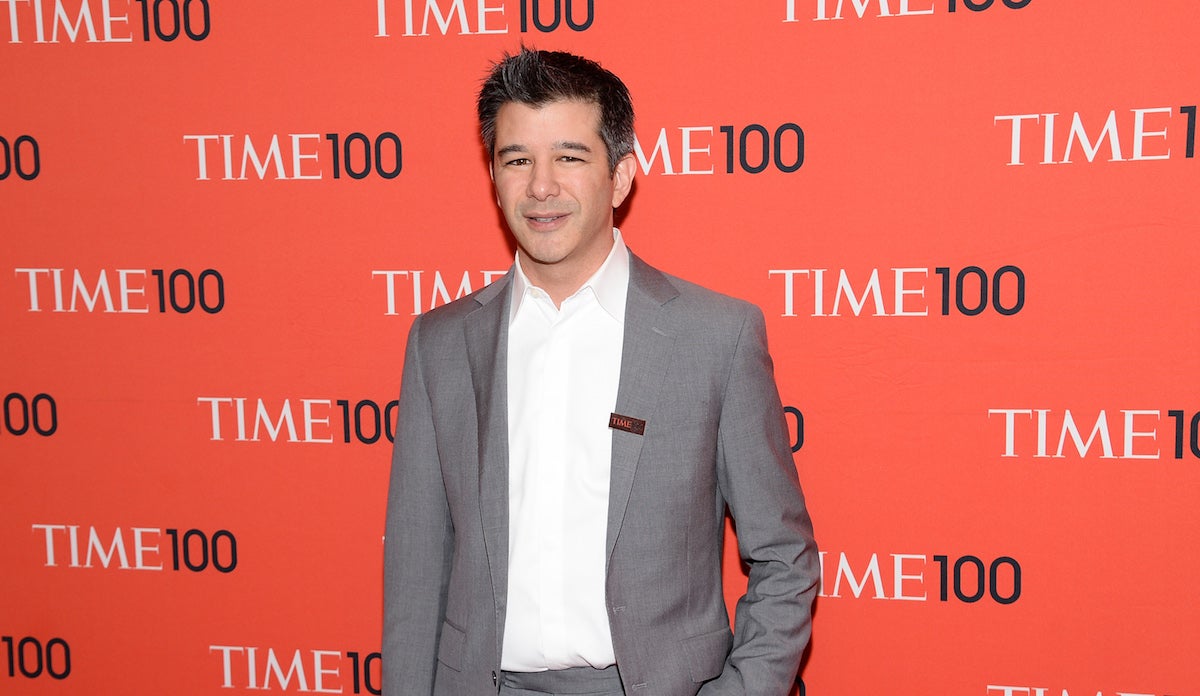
545,219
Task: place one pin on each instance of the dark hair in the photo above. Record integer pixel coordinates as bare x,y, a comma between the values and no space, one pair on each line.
536,78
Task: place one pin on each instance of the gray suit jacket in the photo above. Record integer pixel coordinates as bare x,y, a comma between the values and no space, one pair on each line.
695,367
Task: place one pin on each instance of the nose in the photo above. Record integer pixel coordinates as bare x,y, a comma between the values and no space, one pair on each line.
542,181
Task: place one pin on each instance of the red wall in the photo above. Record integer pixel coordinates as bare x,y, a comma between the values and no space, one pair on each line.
948,306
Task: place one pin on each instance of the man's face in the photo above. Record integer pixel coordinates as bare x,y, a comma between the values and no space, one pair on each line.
553,185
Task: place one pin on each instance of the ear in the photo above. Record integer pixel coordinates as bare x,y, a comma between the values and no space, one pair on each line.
623,179
492,176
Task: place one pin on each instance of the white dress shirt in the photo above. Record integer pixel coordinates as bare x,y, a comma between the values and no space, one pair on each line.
564,365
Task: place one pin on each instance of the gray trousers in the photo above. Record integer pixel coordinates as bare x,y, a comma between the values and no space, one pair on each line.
576,681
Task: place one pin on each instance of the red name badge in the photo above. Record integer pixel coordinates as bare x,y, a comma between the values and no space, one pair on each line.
629,424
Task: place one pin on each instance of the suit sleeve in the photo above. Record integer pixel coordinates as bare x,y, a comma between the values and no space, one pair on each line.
774,532
418,540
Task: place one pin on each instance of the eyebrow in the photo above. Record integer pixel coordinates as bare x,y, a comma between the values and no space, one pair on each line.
561,145
572,145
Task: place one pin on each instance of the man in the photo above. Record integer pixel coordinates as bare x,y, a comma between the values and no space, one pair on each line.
570,437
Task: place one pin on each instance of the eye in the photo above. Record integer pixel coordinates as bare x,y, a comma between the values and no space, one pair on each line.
519,161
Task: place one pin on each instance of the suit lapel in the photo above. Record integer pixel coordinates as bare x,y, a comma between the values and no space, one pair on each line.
487,352
645,357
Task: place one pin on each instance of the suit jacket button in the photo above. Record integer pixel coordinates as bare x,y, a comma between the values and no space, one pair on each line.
494,678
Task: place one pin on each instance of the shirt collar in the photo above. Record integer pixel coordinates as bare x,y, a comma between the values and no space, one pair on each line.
610,282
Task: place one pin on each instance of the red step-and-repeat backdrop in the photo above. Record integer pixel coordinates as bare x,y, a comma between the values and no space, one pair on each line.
973,225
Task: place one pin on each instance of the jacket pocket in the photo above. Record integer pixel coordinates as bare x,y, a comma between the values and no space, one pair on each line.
706,654
450,646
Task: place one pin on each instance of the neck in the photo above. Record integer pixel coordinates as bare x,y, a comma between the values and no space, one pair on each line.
562,279
559,283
